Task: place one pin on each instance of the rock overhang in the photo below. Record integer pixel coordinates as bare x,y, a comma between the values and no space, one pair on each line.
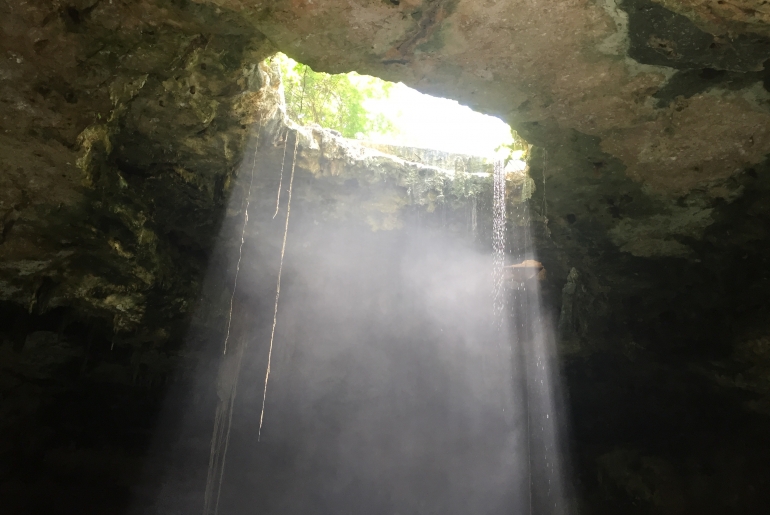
125,123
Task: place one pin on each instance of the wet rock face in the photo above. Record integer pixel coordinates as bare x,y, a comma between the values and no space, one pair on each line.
724,16
122,125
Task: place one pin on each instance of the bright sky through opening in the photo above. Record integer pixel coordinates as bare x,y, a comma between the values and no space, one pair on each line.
424,121
438,123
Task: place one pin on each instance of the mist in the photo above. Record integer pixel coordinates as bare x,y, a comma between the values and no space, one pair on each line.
390,385
394,388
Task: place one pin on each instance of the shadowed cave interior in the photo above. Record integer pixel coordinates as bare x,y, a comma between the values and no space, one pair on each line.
134,134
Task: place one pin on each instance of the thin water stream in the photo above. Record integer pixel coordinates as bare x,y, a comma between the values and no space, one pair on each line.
498,240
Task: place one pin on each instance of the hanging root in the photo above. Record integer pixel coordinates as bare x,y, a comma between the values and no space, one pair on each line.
280,180
278,287
243,236
219,442
224,414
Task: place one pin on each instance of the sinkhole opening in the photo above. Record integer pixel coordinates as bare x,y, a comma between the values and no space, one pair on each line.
386,114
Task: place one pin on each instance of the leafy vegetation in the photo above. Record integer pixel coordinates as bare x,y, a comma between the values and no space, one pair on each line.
516,149
333,101
382,112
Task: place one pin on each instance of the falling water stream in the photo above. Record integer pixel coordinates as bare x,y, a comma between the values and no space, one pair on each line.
498,240
535,360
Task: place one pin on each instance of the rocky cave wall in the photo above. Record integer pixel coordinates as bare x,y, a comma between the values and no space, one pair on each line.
124,124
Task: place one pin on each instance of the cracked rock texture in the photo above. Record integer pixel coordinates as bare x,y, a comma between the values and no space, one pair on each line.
122,127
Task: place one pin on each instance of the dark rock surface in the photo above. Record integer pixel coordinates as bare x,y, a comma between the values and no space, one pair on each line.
122,128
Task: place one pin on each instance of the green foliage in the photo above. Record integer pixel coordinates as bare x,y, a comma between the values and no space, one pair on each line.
517,149
333,101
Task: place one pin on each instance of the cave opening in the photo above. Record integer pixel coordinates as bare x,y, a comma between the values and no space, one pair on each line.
387,114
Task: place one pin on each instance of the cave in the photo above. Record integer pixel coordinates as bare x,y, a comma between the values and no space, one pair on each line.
148,169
